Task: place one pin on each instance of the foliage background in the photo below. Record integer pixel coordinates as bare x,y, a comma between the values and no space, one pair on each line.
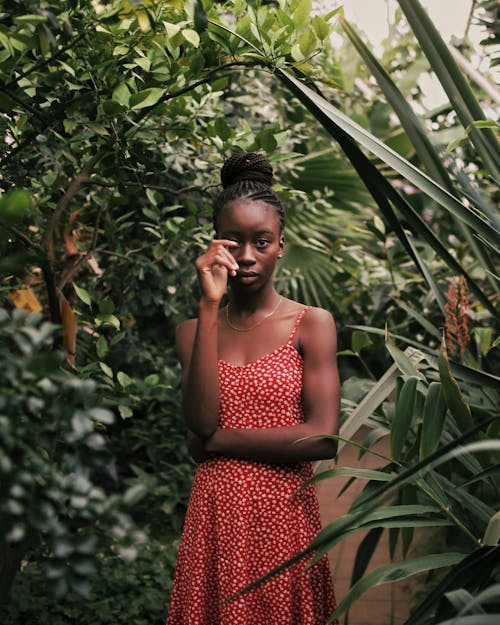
116,117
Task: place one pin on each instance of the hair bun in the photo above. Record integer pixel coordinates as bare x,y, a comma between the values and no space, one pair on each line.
246,166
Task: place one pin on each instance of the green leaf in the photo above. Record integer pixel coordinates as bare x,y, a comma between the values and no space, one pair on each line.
321,27
106,369
403,362
121,95
101,347
200,18
484,336
391,158
473,619
365,474
191,36
83,294
104,318
451,391
301,14
102,415
123,379
134,494
370,402
146,98
425,323
394,572
365,552
492,534
360,340
125,411
152,379
106,306
405,412
468,570
14,206
222,129
308,43
433,419
454,82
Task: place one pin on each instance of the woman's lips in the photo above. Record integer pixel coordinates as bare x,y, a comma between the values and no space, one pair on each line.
246,276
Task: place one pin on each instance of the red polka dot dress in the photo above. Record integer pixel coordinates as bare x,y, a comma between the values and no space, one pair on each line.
244,518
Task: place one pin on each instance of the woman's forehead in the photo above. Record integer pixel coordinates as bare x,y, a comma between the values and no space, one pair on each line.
245,213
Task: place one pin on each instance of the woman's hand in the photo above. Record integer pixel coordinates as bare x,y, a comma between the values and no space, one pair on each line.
213,268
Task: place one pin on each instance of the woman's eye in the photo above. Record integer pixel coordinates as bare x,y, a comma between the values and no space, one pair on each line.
262,242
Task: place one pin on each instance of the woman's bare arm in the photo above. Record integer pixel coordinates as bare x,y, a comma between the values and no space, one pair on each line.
321,401
196,341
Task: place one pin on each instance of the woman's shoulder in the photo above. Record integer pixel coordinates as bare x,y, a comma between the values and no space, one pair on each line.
188,325
310,315
317,315
317,329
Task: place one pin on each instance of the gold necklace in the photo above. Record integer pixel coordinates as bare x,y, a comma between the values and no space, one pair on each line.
255,325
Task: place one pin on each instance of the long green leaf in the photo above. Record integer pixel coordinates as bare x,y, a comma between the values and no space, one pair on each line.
470,570
425,323
415,131
474,376
473,619
442,455
381,190
483,475
359,512
393,572
451,391
405,413
370,402
365,552
364,474
489,595
433,420
425,150
388,516
403,524
391,158
454,82
492,534
404,362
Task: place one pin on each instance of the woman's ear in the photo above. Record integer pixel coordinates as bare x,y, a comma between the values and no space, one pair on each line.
281,253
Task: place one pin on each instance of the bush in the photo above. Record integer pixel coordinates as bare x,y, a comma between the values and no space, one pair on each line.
122,593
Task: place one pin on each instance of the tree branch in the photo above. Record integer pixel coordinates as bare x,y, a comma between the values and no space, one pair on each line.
65,279
52,293
68,196
22,237
45,62
29,108
144,185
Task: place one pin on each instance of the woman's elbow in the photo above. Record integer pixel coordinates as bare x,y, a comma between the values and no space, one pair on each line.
203,430
327,448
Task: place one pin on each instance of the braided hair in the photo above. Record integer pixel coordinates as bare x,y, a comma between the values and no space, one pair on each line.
248,175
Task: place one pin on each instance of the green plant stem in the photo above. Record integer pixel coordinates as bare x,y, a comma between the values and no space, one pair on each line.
365,366
447,511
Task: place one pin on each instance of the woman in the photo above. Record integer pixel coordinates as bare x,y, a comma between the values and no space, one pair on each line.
259,380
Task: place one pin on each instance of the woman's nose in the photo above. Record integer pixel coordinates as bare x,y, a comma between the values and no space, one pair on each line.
246,254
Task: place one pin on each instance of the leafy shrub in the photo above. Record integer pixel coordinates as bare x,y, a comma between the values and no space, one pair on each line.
122,593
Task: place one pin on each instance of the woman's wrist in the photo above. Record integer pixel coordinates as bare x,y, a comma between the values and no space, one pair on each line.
208,306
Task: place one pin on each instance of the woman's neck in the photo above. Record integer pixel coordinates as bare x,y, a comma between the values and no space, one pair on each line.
246,304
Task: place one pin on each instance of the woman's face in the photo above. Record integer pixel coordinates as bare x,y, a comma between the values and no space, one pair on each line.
255,226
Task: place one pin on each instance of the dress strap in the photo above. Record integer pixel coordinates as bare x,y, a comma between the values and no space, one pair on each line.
297,323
